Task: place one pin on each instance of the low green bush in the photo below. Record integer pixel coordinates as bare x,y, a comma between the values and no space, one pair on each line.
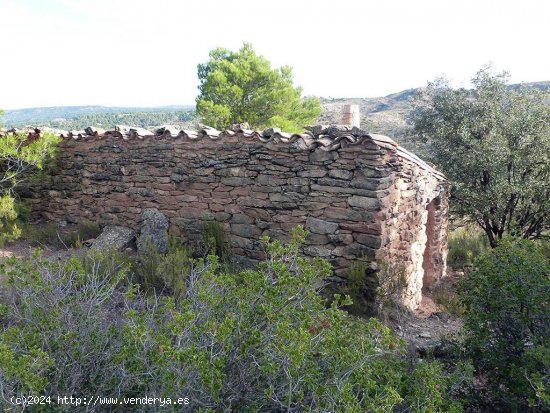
253,341
157,272
445,296
214,240
544,245
507,324
465,244
374,292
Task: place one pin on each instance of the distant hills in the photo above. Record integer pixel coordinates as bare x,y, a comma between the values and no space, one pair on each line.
387,115
64,114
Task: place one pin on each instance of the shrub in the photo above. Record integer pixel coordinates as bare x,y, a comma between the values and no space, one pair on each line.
545,246
39,235
75,238
61,326
215,241
445,296
360,286
465,244
158,272
253,341
507,324
20,157
375,292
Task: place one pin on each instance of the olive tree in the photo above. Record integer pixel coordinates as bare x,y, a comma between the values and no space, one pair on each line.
493,143
241,86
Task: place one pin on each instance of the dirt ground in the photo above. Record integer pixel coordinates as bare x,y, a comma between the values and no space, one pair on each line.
22,249
425,328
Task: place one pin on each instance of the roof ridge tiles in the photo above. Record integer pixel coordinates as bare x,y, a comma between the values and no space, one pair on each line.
325,137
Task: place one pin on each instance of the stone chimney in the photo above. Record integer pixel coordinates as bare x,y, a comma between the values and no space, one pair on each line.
350,115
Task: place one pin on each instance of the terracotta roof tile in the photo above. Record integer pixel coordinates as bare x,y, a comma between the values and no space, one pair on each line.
327,138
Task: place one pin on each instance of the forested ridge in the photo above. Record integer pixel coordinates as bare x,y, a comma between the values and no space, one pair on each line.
80,117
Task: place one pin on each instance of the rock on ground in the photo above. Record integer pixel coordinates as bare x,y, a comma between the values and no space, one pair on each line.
114,237
154,230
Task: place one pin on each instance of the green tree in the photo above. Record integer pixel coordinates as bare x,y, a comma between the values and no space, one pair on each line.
507,324
19,158
493,143
241,86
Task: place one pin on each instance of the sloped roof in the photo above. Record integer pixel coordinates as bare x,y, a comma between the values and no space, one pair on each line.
324,137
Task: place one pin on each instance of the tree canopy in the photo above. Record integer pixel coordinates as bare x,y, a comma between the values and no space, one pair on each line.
19,158
493,143
241,86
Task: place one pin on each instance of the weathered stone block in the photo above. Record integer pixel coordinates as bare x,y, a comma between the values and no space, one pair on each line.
318,251
333,182
317,239
364,202
319,226
240,242
286,197
341,238
341,213
354,251
320,156
270,180
222,216
340,174
299,181
236,181
241,219
312,173
245,230
372,241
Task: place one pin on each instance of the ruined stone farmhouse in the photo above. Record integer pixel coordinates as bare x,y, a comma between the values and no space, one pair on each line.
361,196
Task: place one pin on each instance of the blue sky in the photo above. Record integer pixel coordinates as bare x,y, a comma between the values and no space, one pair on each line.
142,53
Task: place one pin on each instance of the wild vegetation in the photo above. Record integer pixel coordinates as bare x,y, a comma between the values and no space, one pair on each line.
493,144
237,87
19,158
141,119
258,340
41,116
189,323
108,120
466,243
507,324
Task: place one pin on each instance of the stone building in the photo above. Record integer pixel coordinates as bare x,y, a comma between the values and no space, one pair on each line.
361,196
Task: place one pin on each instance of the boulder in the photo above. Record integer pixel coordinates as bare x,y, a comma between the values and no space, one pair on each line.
154,230
114,238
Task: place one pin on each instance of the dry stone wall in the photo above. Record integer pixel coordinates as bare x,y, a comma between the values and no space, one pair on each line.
359,199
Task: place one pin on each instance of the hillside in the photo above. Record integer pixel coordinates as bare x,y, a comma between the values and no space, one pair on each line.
63,116
388,115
